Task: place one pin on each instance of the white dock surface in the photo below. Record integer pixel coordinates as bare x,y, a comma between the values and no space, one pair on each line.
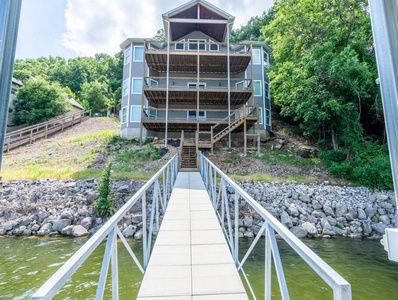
191,258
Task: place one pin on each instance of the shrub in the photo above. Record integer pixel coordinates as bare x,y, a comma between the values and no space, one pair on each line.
104,204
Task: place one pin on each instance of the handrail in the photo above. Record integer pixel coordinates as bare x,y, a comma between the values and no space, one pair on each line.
167,174
218,193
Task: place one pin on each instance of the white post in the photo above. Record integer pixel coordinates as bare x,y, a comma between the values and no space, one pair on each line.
167,83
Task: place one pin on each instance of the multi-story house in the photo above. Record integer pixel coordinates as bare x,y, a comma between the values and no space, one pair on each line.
196,81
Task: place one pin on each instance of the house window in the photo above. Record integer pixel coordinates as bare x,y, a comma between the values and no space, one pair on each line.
267,117
137,85
213,46
135,113
266,57
192,115
194,85
240,85
260,115
256,57
257,87
266,89
123,116
180,46
138,53
125,87
127,55
153,114
193,44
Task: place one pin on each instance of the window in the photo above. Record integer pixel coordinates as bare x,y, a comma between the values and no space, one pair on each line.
266,89
125,87
257,87
194,85
127,55
267,117
213,46
193,44
123,116
153,114
138,53
153,82
192,115
260,115
240,85
256,57
137,85
180,46
266,57
135,113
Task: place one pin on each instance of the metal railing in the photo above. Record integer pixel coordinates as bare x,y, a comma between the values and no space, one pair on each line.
29,134
160,185
217,184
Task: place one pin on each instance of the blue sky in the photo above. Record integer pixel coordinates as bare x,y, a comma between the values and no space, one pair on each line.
71,28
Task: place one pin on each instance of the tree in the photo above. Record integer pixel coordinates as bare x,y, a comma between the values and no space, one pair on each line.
160,35
94,96
38,101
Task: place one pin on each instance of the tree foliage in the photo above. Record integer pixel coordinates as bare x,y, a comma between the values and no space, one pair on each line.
38,101
104,204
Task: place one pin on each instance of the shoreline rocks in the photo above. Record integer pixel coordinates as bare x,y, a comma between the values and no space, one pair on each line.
51,207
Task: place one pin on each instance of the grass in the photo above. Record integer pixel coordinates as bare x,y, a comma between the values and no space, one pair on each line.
286,158
277,179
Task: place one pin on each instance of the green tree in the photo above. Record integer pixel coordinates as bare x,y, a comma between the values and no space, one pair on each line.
38,101
104,204
94,96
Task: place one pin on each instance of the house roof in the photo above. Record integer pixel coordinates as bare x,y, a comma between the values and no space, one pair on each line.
17,82
130,41
198,15
74,102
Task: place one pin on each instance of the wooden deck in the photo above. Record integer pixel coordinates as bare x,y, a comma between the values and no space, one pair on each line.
191,258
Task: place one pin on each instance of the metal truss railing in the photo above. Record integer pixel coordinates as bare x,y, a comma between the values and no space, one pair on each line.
160,185
218,184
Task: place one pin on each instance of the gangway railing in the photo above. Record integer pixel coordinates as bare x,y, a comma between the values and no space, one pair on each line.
217,184
160,186
29,134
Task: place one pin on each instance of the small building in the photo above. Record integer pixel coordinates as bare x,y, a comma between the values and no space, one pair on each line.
196,81
15,85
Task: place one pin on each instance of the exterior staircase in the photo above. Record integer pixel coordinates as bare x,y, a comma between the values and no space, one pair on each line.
189,157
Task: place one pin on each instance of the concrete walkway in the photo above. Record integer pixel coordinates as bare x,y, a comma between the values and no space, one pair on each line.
191,258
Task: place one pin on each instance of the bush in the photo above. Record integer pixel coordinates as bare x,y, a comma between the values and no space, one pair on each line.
367,164
104,204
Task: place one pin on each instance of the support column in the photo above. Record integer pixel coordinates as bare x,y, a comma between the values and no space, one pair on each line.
10,11
229,88
384,16
167,83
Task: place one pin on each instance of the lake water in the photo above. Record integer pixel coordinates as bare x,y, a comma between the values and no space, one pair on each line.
27,262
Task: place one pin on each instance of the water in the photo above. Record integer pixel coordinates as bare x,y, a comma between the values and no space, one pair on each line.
26,263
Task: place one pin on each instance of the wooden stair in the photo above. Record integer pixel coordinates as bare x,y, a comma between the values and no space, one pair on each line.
189,157
228,129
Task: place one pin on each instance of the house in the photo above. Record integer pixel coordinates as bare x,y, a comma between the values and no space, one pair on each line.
14,87
196,81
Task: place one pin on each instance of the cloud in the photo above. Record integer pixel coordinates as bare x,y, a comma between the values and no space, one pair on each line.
95,26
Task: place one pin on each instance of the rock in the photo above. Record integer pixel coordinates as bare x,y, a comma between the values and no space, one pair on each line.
70,184
129,231
385,219
79,231
91,197
349,217
380,228
286,220
60,224
87,222
67,230
248,234
367,227
328,210
248,222
305,198
361,214
45,229
139,234
299,231
370,211
310,228
341,209
316,204
123,189
136,219
338,231
293,210
66,214
27,232
8,226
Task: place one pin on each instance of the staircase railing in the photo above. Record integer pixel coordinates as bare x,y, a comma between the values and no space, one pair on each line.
227,208
30,134
160,186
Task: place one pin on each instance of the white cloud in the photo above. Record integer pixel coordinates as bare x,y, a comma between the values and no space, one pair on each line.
94,26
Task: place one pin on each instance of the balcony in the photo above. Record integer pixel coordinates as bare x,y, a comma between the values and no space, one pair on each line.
185,56
185,91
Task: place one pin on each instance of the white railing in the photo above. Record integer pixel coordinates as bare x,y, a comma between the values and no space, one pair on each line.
160,185
217,184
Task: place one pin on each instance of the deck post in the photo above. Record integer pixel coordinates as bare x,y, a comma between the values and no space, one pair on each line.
167,82
229,87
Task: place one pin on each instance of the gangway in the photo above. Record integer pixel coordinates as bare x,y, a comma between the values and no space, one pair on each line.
191,258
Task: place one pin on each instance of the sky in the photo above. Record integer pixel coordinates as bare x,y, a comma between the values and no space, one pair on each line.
71,28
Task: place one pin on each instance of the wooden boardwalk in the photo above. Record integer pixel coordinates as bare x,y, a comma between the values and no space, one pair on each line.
191,258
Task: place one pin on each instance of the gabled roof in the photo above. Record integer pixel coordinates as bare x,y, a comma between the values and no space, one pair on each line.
198,15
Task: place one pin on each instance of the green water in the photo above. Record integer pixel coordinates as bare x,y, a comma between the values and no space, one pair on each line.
26,263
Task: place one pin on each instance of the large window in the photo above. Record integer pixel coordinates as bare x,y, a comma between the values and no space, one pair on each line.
257,87
266,89
266,57
138,53
137,86
125,87
127,55
192,115
180,46
123,116
193,44
256,57
135,113
213,46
